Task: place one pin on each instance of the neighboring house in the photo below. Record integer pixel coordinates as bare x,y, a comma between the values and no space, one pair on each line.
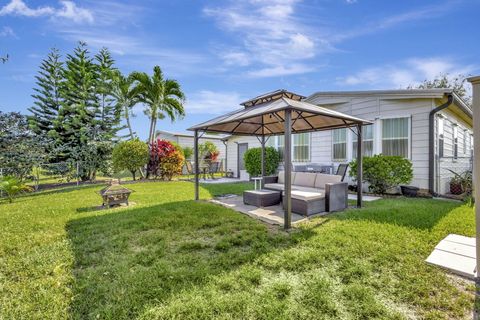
431,127
186,140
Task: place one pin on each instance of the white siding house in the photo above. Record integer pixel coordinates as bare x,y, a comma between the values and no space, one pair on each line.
401,127
186,140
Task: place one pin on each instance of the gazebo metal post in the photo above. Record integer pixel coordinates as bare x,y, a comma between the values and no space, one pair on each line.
359,165
287,160
196,166
262,182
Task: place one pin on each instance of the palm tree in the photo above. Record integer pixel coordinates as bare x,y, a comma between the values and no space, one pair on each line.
162,97
126,96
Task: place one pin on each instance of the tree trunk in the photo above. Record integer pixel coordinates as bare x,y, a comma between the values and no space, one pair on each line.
154,130
127,118
133,174
150,134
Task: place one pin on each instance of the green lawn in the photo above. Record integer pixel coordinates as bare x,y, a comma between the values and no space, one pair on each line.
167,257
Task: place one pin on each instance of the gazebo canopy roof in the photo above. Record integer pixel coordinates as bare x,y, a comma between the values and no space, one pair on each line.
267,118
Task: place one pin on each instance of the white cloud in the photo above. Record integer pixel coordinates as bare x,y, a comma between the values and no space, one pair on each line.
210,102
68,10
404,18
409,72
280,71
270,35
351,1
19,8
7,32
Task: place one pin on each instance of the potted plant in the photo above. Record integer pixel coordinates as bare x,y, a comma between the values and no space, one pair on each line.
409,191
461,182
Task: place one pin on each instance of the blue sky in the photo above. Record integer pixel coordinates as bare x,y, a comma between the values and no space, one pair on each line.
224,52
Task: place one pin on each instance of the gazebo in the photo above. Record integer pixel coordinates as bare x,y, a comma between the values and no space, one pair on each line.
280,113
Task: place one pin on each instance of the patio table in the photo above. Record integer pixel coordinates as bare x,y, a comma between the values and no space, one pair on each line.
259,179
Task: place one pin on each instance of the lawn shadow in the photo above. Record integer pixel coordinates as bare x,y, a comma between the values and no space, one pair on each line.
408,212
61,190
126,261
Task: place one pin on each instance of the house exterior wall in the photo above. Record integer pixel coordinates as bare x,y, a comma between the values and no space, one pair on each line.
375,109
187,141
232,157
463,161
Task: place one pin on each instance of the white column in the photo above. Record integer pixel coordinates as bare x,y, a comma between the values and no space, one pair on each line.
476,159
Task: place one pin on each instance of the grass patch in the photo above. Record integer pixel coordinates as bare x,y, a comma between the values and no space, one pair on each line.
169,257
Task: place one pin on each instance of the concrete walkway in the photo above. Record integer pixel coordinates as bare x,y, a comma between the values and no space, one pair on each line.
271,215
455,253
222,180
365,197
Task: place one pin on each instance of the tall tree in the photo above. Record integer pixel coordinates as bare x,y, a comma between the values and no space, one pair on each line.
162,97
444,80
47,100
109,113
20,148
126,97
76,127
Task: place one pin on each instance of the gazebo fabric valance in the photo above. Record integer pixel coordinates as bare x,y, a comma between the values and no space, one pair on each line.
268,119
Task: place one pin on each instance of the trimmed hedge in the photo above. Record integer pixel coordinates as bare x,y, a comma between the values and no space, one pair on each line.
384,172
253,161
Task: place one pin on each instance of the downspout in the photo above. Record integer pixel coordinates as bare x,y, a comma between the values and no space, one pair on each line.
431,143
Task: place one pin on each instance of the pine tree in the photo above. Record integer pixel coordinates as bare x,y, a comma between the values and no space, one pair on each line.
47,98
76,127
109,113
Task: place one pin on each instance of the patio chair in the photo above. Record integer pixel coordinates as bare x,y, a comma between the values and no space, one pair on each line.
213,168
342,170
189,167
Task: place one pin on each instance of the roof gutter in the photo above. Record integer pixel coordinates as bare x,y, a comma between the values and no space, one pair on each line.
431,142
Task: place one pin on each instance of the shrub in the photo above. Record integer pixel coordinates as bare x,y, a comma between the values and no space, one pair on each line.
206,150
12,187
130,155
171,165
165,160
384,172
253,161
188,152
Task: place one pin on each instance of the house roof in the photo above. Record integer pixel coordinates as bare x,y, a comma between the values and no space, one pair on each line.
336,97
187,134
268,119
393,94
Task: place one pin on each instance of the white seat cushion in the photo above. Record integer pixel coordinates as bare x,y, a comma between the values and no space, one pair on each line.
323,178
262,192
307,195
274,186
279,186
304,179
300,188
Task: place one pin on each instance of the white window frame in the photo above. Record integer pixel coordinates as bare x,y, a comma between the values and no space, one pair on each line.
348,146
441,135
275,144
409,128
454,141
354,135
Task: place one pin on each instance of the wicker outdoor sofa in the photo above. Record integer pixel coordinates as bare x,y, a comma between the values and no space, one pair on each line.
313,192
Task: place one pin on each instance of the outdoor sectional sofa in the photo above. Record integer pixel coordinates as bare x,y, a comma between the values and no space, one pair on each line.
313,192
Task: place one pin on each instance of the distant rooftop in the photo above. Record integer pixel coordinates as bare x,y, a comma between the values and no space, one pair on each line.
270,96
186,134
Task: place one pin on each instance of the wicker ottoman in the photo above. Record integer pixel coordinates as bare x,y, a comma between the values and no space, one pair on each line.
307,203
261,198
